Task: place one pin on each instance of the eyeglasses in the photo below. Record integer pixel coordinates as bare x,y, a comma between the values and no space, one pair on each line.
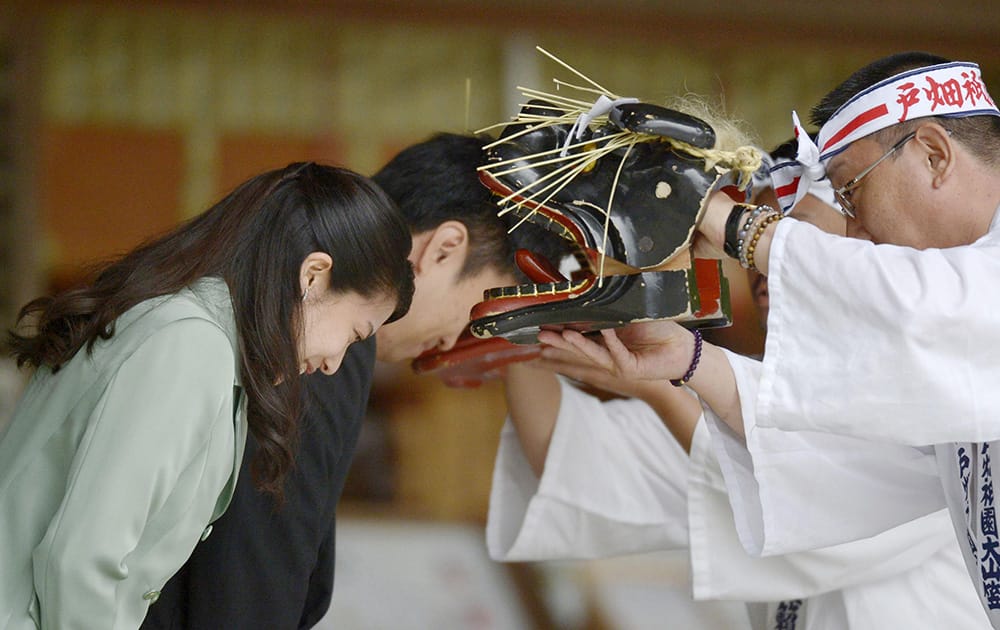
843,194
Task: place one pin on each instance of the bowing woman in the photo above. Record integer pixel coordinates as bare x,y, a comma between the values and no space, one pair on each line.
126,443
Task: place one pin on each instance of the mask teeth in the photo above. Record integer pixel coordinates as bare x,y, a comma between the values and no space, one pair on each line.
543,220
535,290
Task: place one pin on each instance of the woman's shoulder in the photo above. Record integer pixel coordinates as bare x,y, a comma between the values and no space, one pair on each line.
196,322
207,299
201,309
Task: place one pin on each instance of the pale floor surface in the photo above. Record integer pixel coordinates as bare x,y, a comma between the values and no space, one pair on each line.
406,575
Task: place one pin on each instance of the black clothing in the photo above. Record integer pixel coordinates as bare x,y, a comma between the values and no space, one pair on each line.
269,568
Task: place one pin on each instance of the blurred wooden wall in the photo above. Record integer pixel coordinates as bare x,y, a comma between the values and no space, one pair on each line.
123,118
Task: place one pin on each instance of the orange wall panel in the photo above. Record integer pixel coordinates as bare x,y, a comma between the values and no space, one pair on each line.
103,190
241,156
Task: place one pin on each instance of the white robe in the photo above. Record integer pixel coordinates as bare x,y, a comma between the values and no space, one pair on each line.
882,342
616,482
877,392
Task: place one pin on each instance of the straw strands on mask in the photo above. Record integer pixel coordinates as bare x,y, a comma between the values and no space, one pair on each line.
578,154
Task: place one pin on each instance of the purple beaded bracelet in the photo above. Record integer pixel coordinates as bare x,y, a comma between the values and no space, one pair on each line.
677,382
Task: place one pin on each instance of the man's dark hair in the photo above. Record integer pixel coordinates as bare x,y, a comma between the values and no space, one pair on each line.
980,134
436,181
787,150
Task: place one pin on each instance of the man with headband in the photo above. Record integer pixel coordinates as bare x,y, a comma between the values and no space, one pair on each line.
639,474
876,402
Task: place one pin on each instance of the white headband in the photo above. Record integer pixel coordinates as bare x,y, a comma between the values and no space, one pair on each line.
950,89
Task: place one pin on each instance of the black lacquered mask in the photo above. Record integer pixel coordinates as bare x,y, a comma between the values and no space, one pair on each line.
628,191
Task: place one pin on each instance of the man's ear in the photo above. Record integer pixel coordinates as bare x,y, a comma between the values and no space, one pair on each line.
939,152
314,274
447,245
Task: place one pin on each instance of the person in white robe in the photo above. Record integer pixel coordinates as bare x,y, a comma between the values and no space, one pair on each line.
886,337
610,478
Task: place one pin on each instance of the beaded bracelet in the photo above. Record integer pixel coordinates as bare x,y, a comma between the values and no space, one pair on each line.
746,235
745,231
750,245
747,255
677,382
749,230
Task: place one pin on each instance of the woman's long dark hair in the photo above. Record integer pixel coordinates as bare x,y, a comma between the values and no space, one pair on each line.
255,239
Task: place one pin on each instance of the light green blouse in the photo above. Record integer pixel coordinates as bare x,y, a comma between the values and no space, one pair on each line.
113,467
